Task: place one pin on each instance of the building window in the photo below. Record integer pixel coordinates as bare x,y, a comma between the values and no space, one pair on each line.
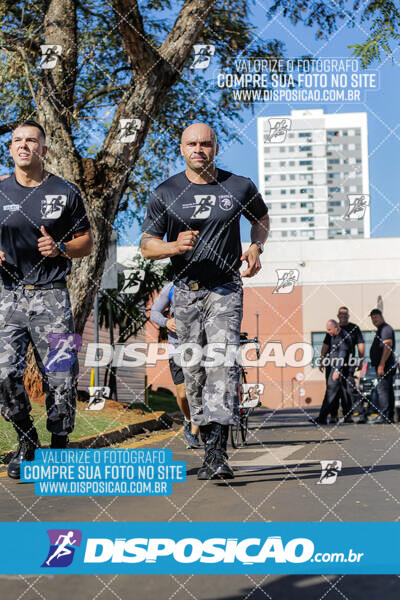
304,134
282,163
283,177
304,163
292,191
293,219
284,220
283,205
282,149
267,150
283,192
284,233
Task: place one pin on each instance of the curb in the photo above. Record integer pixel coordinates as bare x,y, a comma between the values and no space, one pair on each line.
162,421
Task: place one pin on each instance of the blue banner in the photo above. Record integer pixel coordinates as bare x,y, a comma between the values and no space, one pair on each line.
109,472
206,548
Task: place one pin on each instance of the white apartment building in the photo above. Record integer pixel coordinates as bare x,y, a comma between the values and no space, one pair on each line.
313,170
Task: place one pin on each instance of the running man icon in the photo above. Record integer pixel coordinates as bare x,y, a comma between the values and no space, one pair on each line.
63,543
62,549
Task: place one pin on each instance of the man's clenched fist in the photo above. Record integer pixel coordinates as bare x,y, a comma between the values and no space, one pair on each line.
186,241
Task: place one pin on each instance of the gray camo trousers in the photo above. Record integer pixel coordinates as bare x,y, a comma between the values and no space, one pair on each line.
207,317
43,317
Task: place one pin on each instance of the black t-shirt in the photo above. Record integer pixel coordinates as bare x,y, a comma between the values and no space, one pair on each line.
340,349
384,332
214,209
57,205
353,330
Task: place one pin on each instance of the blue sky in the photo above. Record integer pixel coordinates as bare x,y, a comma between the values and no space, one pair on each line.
382,113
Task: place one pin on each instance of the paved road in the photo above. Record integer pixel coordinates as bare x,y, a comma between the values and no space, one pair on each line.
276,480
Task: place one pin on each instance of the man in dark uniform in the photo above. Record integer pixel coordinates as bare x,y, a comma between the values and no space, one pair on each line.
340,351
384,360
353,397
43,225
199,210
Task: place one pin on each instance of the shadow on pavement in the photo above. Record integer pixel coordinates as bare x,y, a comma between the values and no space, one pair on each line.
316,587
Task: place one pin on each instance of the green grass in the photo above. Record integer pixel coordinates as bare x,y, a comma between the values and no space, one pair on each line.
164,402
87,423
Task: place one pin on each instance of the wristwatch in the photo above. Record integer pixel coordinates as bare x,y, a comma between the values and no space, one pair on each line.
260,246
62,248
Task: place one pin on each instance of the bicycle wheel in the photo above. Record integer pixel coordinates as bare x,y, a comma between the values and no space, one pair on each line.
235,435
244,425
237,430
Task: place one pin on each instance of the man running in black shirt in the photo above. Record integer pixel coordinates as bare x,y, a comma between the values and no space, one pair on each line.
384,360
43,225
199,210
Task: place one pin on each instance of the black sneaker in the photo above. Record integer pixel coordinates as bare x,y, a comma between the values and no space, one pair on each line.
220,467
25,451
317,421
205,472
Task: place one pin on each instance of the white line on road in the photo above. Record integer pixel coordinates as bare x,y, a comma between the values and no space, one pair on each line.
271,458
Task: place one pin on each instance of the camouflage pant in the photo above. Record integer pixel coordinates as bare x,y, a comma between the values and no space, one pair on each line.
43,317
206,317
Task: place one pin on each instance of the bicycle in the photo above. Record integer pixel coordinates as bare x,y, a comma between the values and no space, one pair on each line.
247,404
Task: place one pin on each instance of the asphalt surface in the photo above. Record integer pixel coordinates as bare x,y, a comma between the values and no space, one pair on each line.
276,480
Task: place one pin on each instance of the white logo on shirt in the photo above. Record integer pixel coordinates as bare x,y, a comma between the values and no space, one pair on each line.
204,205
11,207
52,206
225,202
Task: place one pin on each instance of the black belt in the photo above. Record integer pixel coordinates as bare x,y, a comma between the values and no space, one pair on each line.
58,285
193,286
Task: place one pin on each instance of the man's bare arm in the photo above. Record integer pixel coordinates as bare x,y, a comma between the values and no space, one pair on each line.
258,233
260,229
154,248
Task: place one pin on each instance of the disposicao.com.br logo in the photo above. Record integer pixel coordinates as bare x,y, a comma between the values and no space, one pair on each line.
248,551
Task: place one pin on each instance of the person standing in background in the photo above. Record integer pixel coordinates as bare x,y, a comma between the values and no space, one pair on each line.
164,303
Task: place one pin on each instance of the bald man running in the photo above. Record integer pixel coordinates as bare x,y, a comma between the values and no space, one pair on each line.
199,210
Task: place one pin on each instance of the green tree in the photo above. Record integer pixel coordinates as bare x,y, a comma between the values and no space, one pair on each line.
381,16
120,60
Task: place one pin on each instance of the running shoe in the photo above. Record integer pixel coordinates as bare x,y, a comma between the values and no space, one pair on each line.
192,440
